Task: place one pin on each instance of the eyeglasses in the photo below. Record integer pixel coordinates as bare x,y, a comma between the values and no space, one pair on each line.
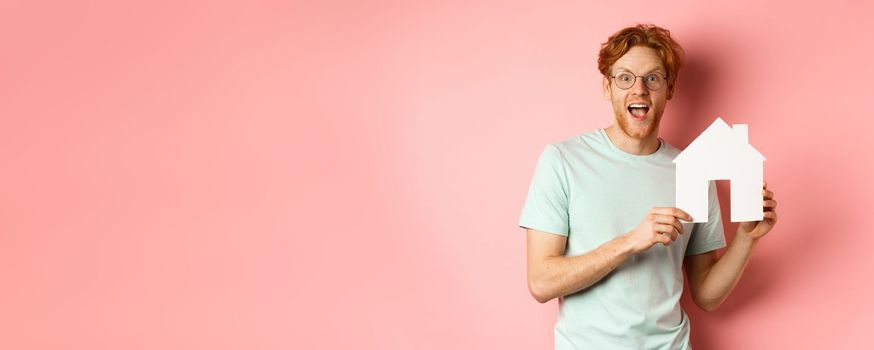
652,81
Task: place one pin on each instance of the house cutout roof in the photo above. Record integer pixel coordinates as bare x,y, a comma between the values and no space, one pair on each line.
719,139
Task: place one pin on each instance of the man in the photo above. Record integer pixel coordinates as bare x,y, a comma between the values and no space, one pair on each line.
602,233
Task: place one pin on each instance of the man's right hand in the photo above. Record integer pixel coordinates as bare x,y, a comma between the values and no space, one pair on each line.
661,225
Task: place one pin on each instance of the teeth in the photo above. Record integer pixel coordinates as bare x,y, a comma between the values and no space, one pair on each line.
637,105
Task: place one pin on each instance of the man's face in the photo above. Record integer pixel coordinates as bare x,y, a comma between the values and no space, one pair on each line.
638,123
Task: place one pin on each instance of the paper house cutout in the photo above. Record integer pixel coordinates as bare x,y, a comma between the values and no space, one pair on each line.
721,153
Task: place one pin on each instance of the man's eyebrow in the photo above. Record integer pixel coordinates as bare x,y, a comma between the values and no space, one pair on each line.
653,69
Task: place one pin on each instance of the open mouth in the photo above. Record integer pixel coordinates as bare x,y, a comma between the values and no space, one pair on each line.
638,110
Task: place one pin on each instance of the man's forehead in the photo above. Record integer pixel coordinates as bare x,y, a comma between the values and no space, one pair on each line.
644,59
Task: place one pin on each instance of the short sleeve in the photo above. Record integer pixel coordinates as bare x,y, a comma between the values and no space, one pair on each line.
546,206
707,236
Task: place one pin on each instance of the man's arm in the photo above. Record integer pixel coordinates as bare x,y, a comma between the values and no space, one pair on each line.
712,278
552,275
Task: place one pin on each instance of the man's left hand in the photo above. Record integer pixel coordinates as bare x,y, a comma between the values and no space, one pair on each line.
758,229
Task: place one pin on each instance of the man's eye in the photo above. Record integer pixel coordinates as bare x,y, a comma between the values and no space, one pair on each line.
625,77
653,78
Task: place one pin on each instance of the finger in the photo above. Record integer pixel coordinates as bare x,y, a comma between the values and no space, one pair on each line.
669,220
765,184
666,229
664,239
770,215
769,204
679,213
767,194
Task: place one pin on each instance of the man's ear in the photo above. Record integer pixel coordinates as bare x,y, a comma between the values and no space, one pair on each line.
605,84
670,91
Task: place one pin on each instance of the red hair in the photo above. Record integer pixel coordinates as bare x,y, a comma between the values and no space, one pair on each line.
647,35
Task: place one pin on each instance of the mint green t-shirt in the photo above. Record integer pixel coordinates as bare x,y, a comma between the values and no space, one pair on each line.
589,190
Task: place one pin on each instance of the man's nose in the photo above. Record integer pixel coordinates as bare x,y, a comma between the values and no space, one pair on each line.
639,87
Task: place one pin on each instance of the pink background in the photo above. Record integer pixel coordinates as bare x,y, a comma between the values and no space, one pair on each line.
266,175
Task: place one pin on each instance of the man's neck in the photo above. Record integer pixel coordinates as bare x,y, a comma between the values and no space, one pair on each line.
640,147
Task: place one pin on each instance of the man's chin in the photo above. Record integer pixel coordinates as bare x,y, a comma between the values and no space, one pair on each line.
636,129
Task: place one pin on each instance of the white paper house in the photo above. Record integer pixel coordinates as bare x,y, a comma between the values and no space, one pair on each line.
721,153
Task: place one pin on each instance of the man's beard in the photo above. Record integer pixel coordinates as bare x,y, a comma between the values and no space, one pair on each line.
638,133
